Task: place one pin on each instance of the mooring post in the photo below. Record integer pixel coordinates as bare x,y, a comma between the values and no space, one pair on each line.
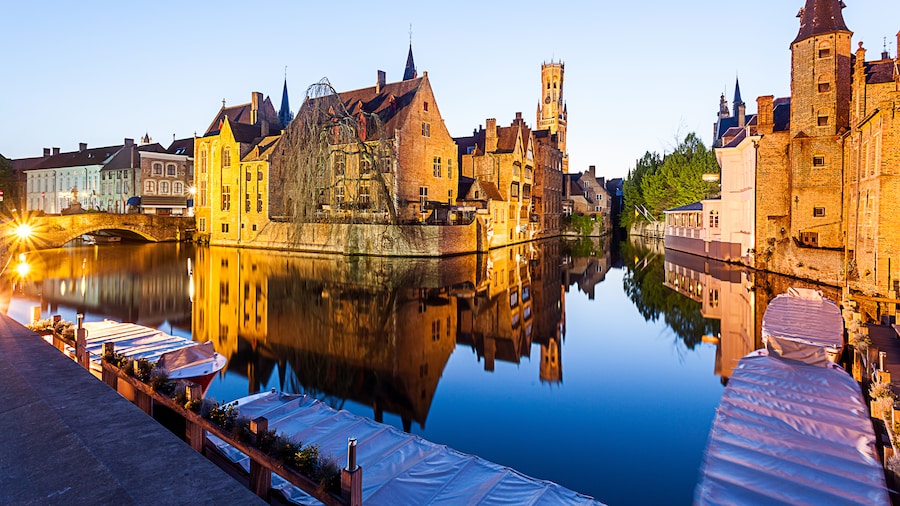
194,432
81,354
109,377
351,477
260,477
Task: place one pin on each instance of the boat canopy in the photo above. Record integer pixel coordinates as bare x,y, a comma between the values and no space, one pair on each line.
787,432
395,464
803,325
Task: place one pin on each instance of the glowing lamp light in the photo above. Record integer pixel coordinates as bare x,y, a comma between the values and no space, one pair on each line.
24,231
23,269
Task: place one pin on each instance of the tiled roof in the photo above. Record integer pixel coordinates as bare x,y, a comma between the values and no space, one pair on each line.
241,114
182,147
391,104
490,189
739,136
820,17
880,72
782,114
94,156
694,206
263,149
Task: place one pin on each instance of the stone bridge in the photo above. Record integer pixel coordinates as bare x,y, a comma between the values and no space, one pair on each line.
54,231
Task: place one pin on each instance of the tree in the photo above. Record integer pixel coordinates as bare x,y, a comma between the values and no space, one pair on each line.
334,163
8,183
673,181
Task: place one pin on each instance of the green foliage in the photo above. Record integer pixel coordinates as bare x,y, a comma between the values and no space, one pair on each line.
160,382
224,416
581,224
644,285
673,181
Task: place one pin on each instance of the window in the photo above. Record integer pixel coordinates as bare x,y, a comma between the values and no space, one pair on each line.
171,170
149,186
824,87
248,175
157,169
364,194
365,166
824,52
163,187
818,161
226,157
339,193
203,161
384,160
437,166
714,219
450,196
809,238
203,193
426,129
514,190
226,197
450,168
259,174
423,195
202,223
425,106
823,120
258,203
178,188
819,212
339,163
225,231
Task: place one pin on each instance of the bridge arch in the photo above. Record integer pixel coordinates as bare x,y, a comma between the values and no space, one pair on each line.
54,231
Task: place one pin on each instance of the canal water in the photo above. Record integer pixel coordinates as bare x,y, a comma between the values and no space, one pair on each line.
594,365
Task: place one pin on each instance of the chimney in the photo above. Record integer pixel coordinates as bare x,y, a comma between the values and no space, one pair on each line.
592,170
129,142
518,118
490,135
256,100
382,81
766,119
742,115
82,146
264,128
46,151
55,151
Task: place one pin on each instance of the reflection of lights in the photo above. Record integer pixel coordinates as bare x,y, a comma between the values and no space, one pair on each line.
62,288
23,269
83,286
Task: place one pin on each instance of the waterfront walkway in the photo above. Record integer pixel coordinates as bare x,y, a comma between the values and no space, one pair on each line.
67,438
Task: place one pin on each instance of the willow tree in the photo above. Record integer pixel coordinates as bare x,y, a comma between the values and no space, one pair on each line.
337,163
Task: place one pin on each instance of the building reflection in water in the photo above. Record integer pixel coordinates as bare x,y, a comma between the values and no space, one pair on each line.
377,331
141,283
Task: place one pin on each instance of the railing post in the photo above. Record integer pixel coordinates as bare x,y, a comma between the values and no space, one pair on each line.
260,477
81,354
351,477
109,377
194,432
141,400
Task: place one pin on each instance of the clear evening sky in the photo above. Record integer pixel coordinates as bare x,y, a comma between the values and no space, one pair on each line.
638,73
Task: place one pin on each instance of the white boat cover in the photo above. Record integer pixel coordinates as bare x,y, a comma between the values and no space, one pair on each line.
398,468
803,325
191,361
791,433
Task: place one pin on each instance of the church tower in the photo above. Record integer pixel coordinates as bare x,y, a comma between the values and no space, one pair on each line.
820,114
552,113
284,114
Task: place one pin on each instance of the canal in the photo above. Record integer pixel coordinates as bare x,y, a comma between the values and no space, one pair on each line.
594,365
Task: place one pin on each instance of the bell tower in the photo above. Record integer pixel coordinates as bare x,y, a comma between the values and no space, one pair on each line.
552,113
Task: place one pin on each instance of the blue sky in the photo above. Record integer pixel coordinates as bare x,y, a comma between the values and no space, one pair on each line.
639,74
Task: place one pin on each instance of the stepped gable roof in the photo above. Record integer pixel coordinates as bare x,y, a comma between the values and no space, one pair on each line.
506,139
880,72
182,147
93,156
820,17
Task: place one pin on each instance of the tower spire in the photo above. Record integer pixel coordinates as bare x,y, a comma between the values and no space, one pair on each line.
820,17
284,114
410,72
737,96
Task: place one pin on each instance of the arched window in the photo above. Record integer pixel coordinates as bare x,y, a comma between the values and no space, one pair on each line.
163,187
157,169
226,157
177,188
149,186
203,160
171,170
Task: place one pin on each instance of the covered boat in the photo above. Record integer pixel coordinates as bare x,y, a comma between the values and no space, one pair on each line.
803,325
398,468
787,432
182,358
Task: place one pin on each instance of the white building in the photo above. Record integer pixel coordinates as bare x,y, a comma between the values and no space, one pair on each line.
66,178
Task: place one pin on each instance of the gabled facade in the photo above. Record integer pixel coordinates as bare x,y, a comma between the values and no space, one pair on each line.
232,171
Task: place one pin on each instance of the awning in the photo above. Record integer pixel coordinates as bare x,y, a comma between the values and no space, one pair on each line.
155,201
133,201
